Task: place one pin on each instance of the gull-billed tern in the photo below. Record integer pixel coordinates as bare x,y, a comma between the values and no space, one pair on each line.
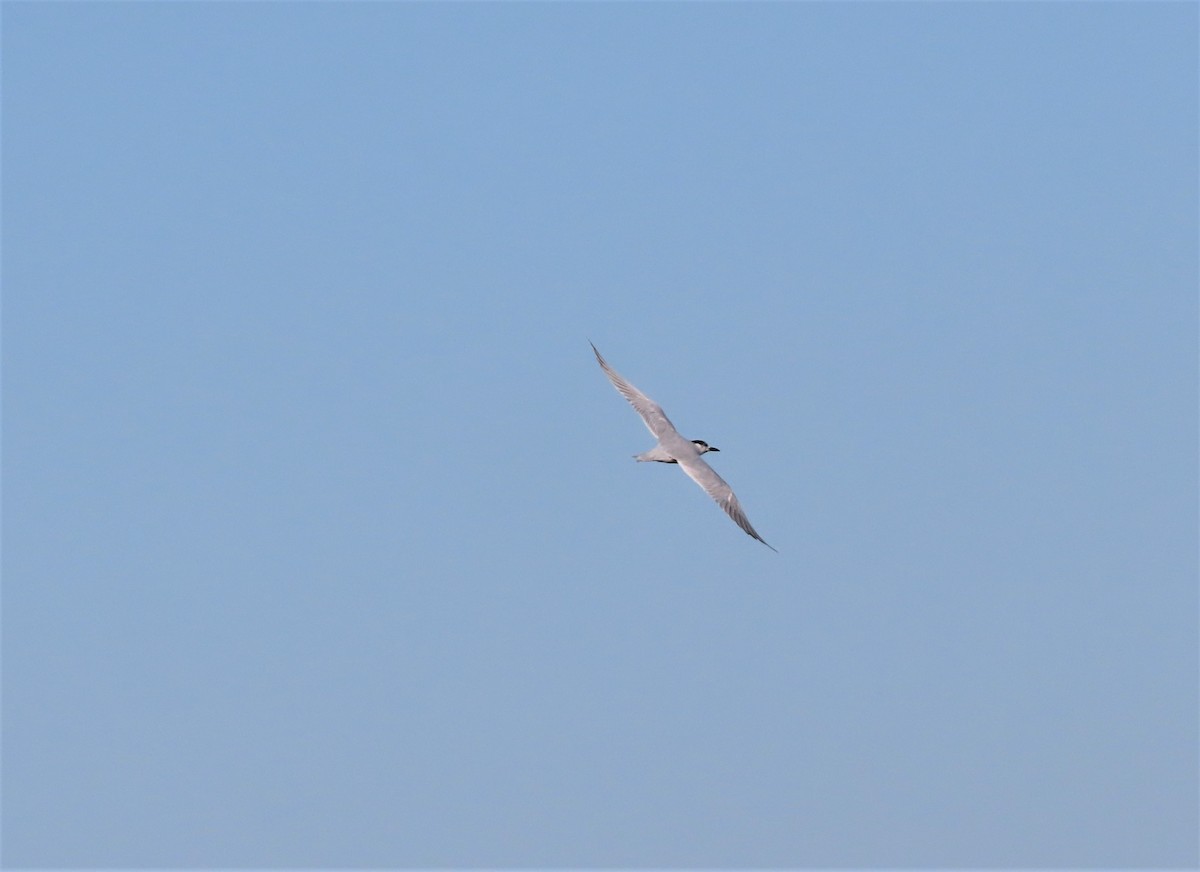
673,448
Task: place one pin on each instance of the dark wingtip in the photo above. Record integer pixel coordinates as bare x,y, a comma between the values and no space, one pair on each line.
599,357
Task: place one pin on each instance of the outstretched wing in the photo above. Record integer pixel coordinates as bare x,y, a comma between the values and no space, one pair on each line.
651,412
717,488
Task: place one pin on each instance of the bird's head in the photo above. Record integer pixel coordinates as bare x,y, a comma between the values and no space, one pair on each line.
703,446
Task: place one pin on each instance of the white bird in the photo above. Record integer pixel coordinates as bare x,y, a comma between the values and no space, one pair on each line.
673,448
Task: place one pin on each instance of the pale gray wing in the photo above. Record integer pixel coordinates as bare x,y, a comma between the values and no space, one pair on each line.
651,412
716,487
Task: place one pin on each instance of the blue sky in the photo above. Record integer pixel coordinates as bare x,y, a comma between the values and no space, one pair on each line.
323,544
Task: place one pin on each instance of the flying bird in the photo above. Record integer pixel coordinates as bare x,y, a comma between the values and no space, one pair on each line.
673,448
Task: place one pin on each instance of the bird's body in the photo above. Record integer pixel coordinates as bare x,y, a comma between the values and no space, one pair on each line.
673,448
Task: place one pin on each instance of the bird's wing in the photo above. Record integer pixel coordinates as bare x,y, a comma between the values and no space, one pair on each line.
717,488
651,412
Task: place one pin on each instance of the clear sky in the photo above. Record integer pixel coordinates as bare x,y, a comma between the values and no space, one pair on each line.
323,543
